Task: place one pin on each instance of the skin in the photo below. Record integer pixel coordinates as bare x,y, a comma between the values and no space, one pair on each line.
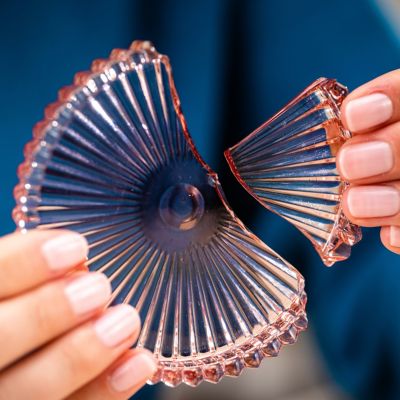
39,343
388,131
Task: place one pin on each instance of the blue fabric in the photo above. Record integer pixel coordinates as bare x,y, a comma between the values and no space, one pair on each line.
235,64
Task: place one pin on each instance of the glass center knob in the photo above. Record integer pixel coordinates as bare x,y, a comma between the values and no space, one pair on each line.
181,206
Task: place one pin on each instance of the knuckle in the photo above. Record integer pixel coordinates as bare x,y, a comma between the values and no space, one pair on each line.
78,354
46,311
42,321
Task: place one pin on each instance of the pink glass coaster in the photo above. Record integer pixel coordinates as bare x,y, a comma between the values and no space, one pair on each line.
113,160
288,164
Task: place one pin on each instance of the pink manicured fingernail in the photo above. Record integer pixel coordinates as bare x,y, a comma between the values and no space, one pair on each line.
88,292
133,371
373,201
117,325
363,160
395,236
368,111
65,251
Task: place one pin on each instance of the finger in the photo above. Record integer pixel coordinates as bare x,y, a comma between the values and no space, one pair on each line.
372,157
122,380
373,205
36,317
65,365
374,104
390,236
27,260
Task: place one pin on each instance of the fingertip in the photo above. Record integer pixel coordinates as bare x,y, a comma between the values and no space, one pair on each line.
87,292
373,104
117,325
390,238
340,163
133,312
358,210
41,255
370,202
133,371
385,235
345,206
123,378
64,250
150,360
368,111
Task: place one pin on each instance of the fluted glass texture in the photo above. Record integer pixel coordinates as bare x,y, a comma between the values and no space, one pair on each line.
289,165
113,160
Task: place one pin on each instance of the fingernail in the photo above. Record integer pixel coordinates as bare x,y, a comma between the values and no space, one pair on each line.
65,251
354,161
133,371
88,292
368,111
373,201
117,325
395,236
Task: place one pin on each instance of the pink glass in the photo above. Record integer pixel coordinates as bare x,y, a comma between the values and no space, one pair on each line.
113,160
288,164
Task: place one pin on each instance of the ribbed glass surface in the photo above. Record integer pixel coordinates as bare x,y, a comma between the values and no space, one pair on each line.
113,160
289,166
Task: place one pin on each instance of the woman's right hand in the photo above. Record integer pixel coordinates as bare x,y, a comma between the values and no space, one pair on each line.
56,339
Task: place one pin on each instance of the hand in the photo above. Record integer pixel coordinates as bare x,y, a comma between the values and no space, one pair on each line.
56,339
370,160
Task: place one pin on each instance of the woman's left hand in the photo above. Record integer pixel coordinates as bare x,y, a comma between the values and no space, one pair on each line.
370,160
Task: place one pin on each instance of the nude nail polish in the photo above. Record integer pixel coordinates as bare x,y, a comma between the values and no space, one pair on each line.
88,292
368,111
117,325
133,371
364,160
65,251
373,201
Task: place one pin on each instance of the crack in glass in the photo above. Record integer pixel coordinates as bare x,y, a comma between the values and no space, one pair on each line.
113,160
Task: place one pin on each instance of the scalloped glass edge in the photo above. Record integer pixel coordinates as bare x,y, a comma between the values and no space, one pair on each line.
250,353
344,233
228,360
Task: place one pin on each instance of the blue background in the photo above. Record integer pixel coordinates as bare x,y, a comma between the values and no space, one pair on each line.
235,64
